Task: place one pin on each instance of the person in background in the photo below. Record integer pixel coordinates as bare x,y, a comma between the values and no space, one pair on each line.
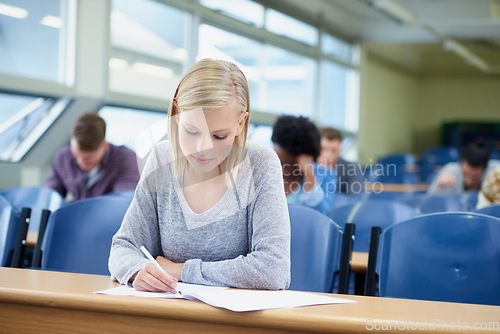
350,176
209,206
90,166
296,140
466,175
490,190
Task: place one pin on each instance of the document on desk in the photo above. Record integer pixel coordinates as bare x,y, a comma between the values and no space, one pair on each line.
237,300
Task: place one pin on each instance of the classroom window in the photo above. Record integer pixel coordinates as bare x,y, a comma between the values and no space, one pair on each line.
289,83
339,108
287,26
23,120
137,129
335,47
35,39
149,47
243,10
260,134
246,53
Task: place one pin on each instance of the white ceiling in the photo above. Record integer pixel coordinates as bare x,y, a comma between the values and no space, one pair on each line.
461,19
475,24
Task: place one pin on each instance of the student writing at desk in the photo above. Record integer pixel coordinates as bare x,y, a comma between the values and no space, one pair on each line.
210,207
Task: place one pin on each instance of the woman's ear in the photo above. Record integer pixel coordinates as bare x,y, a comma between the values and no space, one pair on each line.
241,124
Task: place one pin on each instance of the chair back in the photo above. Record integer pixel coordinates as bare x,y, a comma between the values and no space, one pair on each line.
440,203
124,193
492,210
35,198
434,158
370,213
78,235
9,222
451,257
340,199
398,168
315,249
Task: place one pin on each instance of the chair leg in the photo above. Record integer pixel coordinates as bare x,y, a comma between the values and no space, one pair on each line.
371,279
20,246
345,258
37,254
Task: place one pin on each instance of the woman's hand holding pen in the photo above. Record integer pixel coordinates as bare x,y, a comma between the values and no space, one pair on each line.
154,277
150,278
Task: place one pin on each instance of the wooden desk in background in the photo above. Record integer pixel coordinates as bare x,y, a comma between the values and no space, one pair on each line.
394,187
31,238
37,301
359,262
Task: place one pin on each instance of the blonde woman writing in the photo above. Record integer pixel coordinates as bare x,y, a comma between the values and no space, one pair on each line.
209,207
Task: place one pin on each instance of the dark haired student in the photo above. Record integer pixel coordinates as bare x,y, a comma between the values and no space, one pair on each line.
296,140
90,166
466,175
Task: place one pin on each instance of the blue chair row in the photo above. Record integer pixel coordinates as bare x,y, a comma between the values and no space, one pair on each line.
78,239
366,214
433,159
422,203
35,198
403,168
78,236
36,204
9,226
443,257
492,210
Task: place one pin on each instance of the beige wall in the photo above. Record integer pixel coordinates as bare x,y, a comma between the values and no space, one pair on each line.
454,98
402,108
388,104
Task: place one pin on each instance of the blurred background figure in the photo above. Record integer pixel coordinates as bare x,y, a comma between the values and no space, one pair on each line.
350,176
490,191
296,140
466,175
90,166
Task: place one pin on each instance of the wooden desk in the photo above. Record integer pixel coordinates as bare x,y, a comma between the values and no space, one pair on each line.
31,239
394,187
359,262
50,302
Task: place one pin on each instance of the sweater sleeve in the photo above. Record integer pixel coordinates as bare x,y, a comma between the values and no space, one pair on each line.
139,227
54,180
267,265
452,169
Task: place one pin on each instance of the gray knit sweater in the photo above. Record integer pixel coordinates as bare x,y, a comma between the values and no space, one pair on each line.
243,241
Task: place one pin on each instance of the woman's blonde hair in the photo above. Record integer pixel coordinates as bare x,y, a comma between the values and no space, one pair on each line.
210,84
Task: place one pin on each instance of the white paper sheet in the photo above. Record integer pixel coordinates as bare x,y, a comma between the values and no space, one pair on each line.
235,299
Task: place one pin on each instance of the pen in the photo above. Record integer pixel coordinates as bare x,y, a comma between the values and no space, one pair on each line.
150,257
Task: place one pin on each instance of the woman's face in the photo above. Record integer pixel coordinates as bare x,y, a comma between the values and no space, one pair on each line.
206,137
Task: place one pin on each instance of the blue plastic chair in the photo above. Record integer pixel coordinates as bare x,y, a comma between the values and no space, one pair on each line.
451,257
400,168
492,210
124,193
340,199
35,198
441,203
370,213
315,250
434,158
78,235
9,222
